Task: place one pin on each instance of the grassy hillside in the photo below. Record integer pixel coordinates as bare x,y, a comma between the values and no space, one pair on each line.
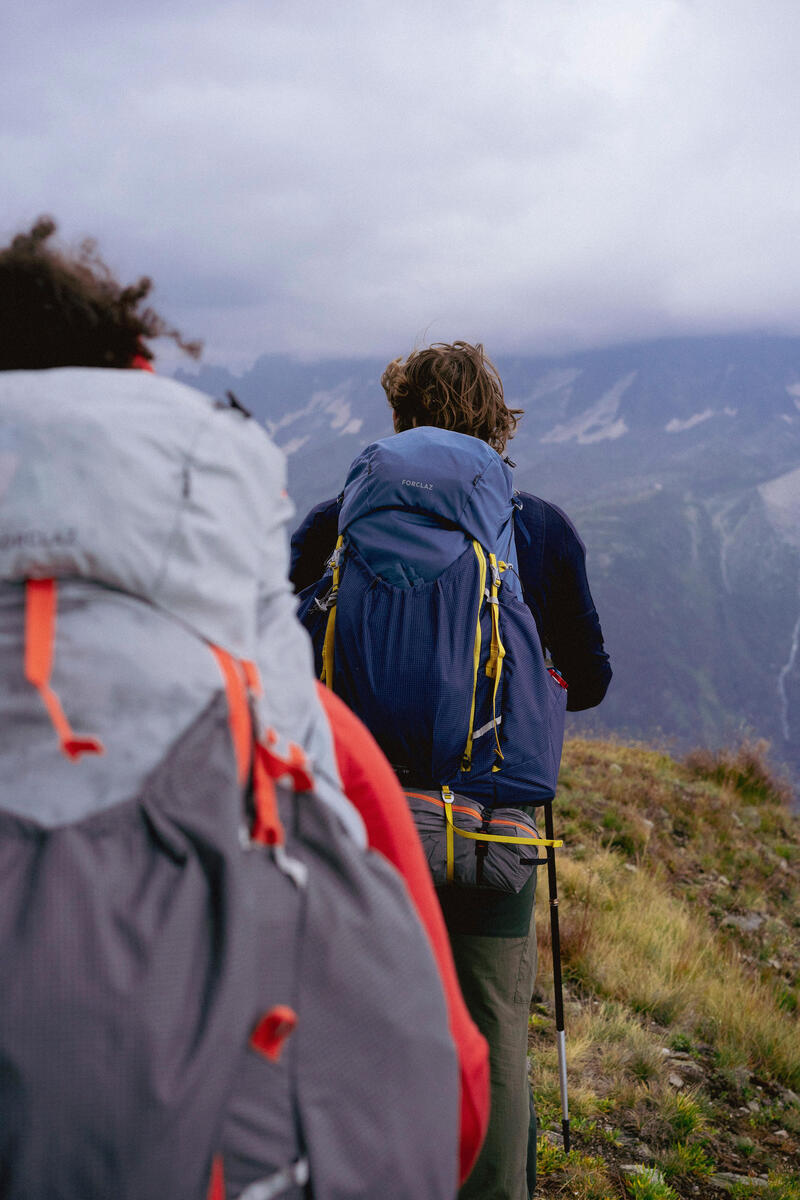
680,928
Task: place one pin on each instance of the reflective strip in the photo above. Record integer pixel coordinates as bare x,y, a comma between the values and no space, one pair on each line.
485,728
466,761
297,1175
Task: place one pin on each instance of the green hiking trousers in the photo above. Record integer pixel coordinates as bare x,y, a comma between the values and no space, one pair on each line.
493,938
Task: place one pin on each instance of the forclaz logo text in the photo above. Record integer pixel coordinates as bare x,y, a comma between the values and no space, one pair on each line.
416,483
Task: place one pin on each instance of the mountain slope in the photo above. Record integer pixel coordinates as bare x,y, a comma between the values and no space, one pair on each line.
678,886
679,462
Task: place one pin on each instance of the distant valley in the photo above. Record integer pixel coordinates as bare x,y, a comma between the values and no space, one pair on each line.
679,462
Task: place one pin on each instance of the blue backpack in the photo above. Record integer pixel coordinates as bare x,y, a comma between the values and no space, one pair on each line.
420,626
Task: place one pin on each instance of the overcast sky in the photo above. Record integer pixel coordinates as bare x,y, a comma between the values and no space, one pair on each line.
335,177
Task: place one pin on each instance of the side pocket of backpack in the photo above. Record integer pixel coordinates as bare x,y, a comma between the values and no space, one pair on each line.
556,717
533,707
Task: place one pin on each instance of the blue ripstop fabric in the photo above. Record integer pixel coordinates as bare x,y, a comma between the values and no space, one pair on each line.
412,502
405,637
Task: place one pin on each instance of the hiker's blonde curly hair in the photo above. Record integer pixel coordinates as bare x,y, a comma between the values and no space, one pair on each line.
453,386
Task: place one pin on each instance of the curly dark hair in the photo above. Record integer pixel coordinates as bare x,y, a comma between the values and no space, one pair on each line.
62,309
453,387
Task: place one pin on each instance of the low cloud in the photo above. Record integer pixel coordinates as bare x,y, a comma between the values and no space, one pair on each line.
339,179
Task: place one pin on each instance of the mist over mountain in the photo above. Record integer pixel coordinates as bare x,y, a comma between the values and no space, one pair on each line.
678,461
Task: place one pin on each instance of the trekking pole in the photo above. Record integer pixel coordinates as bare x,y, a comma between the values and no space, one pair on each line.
557,987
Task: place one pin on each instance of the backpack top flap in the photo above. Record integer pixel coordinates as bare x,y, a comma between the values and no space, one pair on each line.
142,484
452,477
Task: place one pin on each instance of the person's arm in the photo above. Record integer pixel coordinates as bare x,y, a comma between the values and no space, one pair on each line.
552,563
313,542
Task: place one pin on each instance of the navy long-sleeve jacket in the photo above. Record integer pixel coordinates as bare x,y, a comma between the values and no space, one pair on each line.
552,568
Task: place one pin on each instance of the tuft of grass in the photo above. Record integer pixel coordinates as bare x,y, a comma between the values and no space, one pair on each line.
746,769
780,1186
584,1176
684,1114
649,1184
687,1161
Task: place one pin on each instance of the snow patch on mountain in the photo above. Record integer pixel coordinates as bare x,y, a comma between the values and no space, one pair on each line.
598,423
337,408
555,380
274,427
294,444
335,404
676,425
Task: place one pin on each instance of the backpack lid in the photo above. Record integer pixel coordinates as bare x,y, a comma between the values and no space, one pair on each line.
450,476
140,483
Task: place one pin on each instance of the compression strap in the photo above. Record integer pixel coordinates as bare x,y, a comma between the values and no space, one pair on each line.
451,829
41,601
466,761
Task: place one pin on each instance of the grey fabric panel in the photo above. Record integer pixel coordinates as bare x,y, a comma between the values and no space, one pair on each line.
124,671
377,1078
429,818
260,1133
505,867
509,867
141,925
261,1123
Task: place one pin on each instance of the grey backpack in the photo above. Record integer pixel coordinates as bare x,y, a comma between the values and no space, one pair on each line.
204,968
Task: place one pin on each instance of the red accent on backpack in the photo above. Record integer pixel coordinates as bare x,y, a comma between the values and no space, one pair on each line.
272,1030
216,1184
294,764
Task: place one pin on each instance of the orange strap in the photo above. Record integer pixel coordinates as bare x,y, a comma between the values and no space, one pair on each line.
267,827
252,676
40,631
239,677
238,711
